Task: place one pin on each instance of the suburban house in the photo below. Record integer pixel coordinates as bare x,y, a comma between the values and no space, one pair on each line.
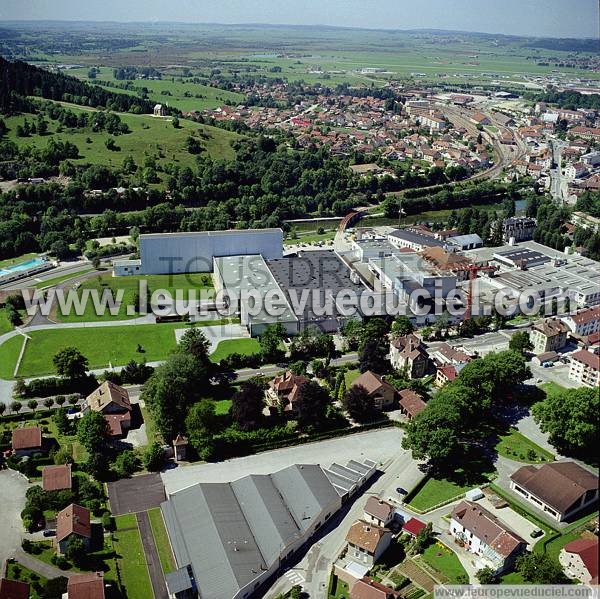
408,353
74,520
378,512
411,403
585,368
446,354
579,560
382,393
27,441
560,489
585,322
447,373
548,335
481,533
367,542
283,391
13,589
113,402
56,478
367,588
86,586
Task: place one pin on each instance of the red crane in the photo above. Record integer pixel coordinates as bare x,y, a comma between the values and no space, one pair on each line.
473,270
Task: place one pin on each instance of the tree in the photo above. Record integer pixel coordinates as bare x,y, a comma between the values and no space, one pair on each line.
76,551
70,363
49,402
2,408
62,422
194,343
402,326
424,538
96,465
92,431
372,356
247,406
154,457
126,464
176,124
15,406
201,421
359,404
571,419
270,340
63,455
311,404
540,568
486,575
520,342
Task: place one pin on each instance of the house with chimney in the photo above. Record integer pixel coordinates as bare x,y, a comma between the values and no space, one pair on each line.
480,532
367,542
73,521
283,390
112,401
548,335
408,353
378,512
579,560
411,403
380,391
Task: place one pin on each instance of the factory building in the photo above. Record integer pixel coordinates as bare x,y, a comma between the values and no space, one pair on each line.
171,253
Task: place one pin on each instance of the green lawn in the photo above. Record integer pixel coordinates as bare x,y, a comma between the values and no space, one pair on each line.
16,571
222,407
5,325
245,347
350,376
147,136
444,560
105,283
518,447
61,279
313,237
434,491
552,388
161,539
115,345
338,589
131,558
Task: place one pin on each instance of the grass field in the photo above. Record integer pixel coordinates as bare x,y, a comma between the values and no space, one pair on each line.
61,279
222,407
245,347
444,560
105,282
148,136
17,260
350,376
161,539
518,447
115,345
552,388
5,325
25,575
131,558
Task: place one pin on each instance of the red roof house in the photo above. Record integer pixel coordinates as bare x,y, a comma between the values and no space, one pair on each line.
413,527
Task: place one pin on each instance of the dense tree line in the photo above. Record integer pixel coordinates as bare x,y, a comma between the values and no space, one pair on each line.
571,100
20,79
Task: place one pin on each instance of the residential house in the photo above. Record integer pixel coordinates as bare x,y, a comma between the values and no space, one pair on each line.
56,478
380,391
378,512
585,368
480,532
367,588
367,542
584,323
74,520
408,353
518,228
478,118
579,560
113,402
447,373
13,589
559,489
27,441
86,586
283,391
411,403
548,335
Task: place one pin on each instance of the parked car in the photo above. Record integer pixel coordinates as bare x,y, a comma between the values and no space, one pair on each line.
536,532
49,532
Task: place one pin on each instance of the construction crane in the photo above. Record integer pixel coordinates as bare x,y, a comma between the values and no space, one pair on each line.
474,270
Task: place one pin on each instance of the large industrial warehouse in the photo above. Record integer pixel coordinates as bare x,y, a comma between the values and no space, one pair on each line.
229,538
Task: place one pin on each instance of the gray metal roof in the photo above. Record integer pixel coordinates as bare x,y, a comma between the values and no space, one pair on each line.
418,238
232,533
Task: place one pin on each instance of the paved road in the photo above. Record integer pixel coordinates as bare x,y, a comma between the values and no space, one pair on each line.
154,568
42,568
13,486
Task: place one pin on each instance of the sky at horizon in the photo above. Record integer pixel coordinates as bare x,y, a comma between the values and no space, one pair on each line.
551,18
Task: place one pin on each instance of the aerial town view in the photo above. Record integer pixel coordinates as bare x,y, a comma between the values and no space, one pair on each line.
299,299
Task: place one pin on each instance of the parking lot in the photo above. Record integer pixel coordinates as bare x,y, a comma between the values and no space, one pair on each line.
137,494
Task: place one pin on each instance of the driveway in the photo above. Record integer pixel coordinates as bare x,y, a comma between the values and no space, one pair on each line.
13,486
218,333
137,494
380,446
152,560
